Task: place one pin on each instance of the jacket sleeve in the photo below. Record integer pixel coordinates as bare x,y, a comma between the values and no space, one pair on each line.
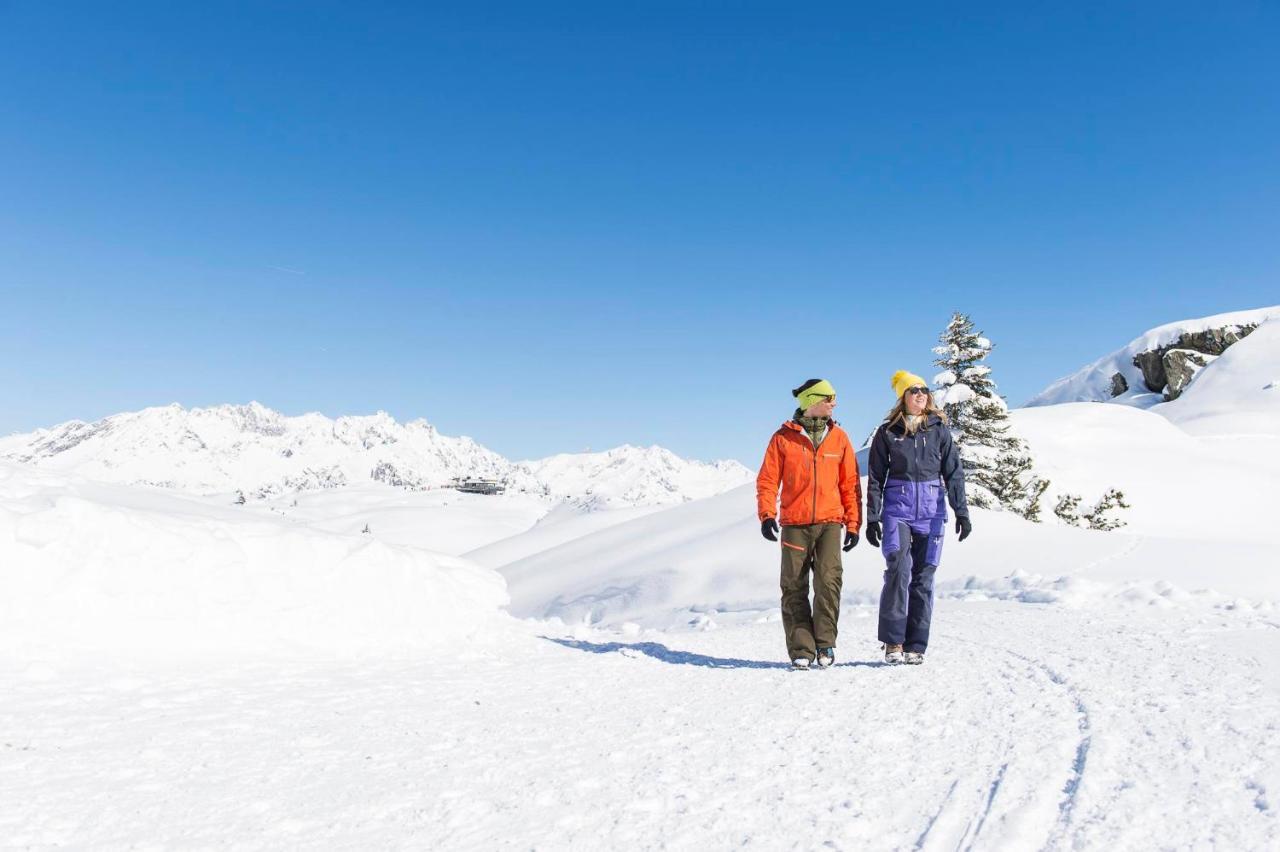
851,488
953,475
877,474
767,481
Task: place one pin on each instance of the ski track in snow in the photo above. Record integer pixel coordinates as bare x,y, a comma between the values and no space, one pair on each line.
1029,727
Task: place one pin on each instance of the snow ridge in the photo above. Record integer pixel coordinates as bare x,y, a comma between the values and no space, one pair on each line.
263,453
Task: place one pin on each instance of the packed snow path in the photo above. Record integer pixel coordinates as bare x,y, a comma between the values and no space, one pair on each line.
1028,727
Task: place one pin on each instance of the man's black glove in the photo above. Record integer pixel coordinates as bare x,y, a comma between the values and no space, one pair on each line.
850,541
769,529
873,533
963,527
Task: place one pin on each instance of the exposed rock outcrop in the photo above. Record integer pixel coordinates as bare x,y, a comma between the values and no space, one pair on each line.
1154,363
1119,384
1181,366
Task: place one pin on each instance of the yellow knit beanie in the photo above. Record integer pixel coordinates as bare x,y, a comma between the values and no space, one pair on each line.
812,391
903,379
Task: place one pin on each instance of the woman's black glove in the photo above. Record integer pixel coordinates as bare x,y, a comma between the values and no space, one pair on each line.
850,541
769,529
873,533
963,527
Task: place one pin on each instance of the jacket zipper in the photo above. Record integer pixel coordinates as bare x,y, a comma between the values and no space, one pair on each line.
815,484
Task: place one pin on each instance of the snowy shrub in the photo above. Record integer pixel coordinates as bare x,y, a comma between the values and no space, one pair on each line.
1101,516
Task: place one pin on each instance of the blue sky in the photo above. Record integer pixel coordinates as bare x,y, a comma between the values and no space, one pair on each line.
559,226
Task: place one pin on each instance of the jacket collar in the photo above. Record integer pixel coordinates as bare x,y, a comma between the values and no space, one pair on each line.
796,427
929,423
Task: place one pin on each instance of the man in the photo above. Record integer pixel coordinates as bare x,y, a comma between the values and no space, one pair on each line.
814,462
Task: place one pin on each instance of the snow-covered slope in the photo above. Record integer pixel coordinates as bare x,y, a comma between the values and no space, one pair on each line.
1200,519
1238,394
564,523
262,453
633,476
1097,382
442,520
139,573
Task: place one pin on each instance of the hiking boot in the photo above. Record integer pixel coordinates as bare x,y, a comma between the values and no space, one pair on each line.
913,658
893,654
800,663
826,657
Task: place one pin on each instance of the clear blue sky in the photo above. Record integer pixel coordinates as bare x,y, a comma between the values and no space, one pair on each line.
553,226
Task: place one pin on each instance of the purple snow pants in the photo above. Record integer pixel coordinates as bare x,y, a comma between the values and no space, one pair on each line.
912,546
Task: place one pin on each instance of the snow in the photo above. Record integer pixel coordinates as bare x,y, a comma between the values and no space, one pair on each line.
108,571
1232,396
264,454
633,476
954,394
568,670
445,521
1114,728
1093,382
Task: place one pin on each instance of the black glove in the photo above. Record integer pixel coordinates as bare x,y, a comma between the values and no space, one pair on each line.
963,527
873,533
850,541
769,529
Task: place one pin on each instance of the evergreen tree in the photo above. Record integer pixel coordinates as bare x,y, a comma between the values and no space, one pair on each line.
999,471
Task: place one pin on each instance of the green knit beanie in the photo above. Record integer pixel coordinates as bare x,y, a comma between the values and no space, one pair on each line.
812,391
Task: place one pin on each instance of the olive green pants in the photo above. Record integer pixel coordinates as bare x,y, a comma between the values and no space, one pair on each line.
815,546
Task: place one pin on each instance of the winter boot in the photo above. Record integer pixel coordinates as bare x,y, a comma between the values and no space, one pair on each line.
893,654
914,658
826,657
800,664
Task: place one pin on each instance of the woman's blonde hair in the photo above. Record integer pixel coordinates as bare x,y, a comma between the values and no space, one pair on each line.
898,414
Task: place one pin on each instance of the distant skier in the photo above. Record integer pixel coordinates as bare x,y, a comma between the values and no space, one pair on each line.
914,468
812,460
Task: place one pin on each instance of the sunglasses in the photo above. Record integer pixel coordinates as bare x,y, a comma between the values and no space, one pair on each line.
917,389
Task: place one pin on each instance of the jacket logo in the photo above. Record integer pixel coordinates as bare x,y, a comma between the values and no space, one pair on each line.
832,455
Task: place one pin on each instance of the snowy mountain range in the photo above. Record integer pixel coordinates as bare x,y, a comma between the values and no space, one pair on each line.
263,453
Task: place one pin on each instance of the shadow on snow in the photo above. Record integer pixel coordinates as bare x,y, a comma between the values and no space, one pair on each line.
662,653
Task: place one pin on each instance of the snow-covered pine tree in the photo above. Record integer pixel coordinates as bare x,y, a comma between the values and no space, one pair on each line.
997,464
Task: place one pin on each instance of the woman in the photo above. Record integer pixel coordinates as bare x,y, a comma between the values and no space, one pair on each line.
914,466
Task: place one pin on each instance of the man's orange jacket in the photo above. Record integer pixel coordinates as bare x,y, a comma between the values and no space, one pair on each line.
818,486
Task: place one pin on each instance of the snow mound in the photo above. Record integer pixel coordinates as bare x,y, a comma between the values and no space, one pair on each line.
94,569
1236,394
562,524
1094,383
704,564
